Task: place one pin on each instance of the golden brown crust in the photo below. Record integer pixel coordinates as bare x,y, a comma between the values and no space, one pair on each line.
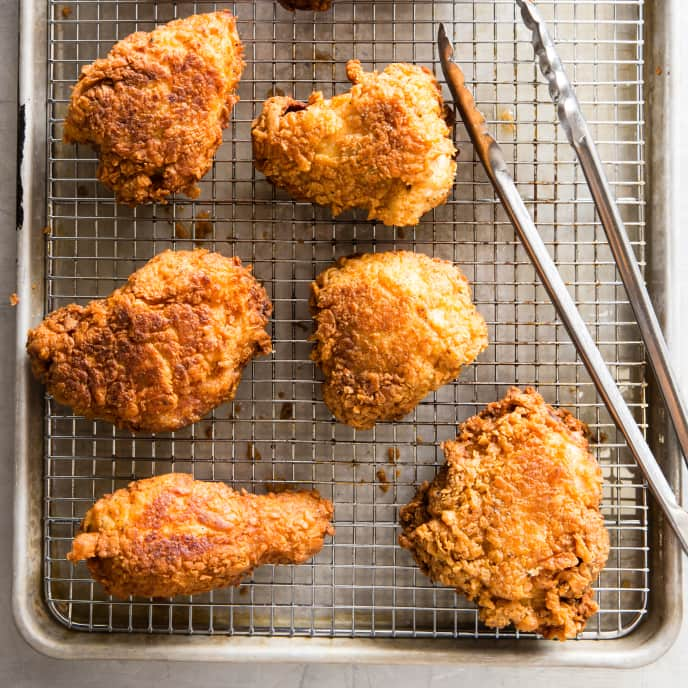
161,351
383,146
512,519
173,535
390,328
315,5
155,107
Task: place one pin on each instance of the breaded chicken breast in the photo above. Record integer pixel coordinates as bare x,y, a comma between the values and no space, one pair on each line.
390,328
384,146
173,535
161,351
512,520
155,107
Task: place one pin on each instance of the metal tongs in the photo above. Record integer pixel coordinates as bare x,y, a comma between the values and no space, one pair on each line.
492,158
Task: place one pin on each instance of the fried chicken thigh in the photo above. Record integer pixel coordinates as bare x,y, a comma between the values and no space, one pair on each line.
155,107
161,351
315,5
384,146
173,535
390,328
512,519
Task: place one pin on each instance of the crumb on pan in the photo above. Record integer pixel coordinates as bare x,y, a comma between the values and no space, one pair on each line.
381,475
507,123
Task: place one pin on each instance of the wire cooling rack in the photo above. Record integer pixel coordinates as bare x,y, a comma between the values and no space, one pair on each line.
278,432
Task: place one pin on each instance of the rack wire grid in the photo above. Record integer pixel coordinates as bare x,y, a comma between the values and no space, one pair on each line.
278,432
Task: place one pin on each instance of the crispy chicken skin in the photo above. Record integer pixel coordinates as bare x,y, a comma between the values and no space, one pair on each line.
315,5
512,519
173,535
161,351
383,146
155,107
390,328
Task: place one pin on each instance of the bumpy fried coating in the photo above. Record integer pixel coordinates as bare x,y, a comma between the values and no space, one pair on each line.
383,146
173,535
315,5
155,107
391,327
161,351
512,519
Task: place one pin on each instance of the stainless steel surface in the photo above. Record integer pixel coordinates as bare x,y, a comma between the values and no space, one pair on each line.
577,131
492,157
362,586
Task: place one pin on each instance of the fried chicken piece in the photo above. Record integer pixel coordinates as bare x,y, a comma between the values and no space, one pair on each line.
512,519
155,107
383,146
315,5
161,351
390,328
173,535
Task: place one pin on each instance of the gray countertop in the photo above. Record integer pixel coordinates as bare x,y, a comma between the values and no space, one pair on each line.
21,666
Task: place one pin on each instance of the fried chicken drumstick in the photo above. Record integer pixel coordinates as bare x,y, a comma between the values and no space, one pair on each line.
383,146
173,535
390,328
512,519
155,107
161,351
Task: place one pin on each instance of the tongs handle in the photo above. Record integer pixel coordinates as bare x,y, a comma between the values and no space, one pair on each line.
492,158
578,134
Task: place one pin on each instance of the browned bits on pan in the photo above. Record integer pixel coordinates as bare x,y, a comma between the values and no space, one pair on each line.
271,92
381,475
252,453
202,227
182,230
